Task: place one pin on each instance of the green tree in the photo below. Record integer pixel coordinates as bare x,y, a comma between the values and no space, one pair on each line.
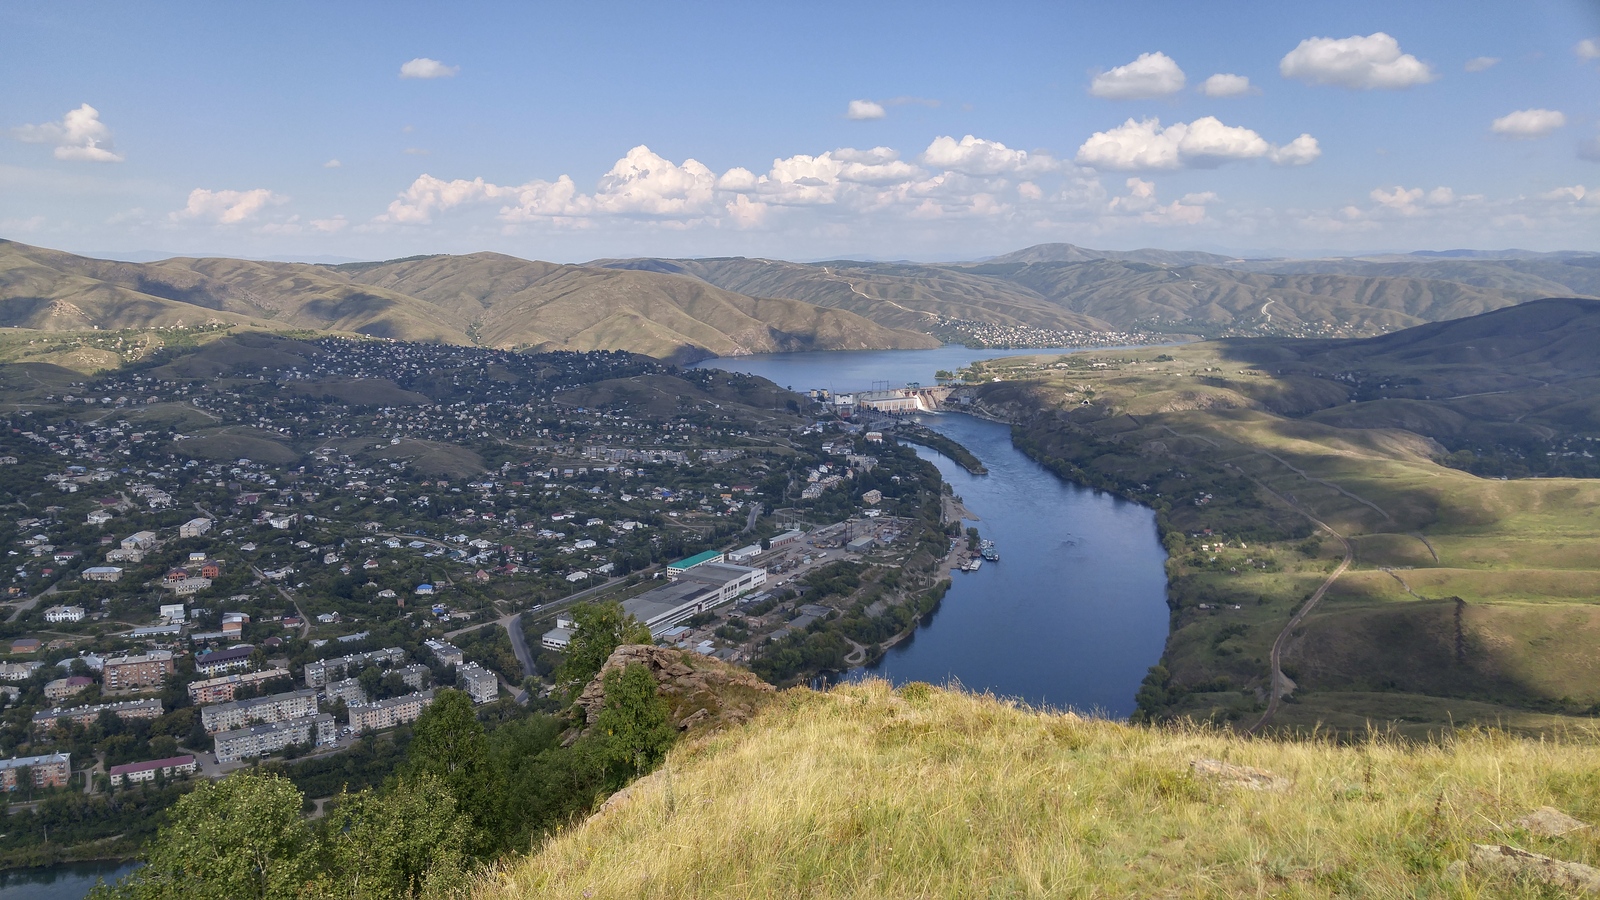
241,837
599,629
409,841
448,743
632,732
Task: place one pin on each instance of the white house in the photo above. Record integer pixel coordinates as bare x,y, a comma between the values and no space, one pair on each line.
57,614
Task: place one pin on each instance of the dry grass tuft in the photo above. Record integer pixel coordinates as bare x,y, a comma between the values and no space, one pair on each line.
864,792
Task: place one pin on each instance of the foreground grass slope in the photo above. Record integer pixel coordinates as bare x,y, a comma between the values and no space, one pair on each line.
864,792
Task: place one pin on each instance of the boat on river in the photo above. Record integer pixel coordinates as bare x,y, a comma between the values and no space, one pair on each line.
972,565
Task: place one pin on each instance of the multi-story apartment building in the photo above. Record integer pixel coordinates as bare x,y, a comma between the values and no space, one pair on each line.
222,689
276,708
479,683
416,676
218,661
131,673
52,770
134,773
83,715
322,671
347,689
446,654
389,713
259,740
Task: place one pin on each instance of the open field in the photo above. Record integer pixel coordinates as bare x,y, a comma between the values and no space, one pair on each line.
1478,592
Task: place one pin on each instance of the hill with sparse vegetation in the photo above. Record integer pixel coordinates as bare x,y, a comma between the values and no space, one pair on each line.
1061,287
484,299
1397,530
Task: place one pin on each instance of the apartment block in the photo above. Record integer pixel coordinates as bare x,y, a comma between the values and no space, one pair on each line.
389,713
322,671
222,689
276,708
128,673
259,740
52,770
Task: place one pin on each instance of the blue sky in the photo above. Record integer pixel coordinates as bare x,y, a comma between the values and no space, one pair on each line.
799,131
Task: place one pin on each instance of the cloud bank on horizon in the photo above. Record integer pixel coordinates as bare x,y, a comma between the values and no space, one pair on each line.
1355,140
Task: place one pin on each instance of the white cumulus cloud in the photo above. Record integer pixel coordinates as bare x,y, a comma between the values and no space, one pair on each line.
1588,48
1140,201
643,183
333,164
1203,143
1223,84
227,207
1367,63
80,136
1481,63
1412,201
864,109
1298,152
1151,75
1529,123
976,156
423,67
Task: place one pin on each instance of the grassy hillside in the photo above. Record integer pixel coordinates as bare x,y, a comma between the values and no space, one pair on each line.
517,303
485,299
1270,462
867,793
1060,287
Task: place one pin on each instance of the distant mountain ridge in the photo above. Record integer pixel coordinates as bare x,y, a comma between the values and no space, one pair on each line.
1063,287
485,298
720,306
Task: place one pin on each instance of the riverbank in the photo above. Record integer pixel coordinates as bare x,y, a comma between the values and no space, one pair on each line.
927,437
1255,508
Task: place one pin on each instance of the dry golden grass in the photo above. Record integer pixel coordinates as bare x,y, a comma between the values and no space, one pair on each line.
868,793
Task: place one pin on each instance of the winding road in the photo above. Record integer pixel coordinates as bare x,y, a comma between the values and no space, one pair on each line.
1281,685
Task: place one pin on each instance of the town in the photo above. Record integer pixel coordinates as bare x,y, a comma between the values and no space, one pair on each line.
264,548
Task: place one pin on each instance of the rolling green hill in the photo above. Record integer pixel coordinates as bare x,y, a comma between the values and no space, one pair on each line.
1388,478
486,299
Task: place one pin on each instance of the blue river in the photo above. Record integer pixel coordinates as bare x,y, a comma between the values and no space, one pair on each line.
1074,613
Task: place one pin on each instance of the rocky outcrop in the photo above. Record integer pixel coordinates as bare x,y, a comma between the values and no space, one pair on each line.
1507,861
702,694
1234,775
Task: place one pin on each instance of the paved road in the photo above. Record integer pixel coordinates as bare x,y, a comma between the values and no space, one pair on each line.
31,602
513,625
305,623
